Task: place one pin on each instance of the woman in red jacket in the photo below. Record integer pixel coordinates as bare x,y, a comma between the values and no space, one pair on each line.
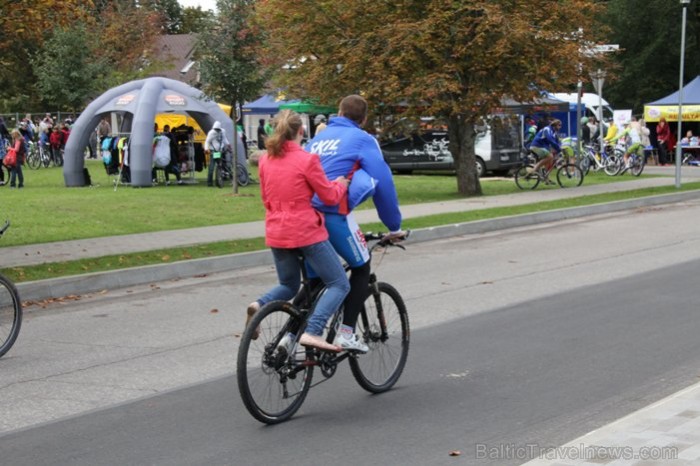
663,137
289,177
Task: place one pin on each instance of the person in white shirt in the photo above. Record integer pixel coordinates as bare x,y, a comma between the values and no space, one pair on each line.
216,142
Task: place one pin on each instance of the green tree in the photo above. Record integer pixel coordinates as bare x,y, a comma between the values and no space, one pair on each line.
448,58
649,35
171,11
194,19
67,72
228,48
24,27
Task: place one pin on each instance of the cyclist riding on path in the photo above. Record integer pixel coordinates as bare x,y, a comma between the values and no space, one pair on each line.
546,145
347,150
633,133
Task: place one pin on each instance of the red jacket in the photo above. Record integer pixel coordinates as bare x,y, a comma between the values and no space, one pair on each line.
56,139
287,184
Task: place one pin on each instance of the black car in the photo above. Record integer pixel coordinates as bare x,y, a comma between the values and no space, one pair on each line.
422,144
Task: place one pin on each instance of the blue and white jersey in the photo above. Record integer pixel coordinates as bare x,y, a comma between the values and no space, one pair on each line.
546,138
345,148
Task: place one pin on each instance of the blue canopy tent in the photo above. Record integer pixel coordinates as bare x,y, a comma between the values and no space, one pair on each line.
263,107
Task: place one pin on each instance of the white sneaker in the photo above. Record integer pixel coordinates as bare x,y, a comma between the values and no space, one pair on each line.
350,343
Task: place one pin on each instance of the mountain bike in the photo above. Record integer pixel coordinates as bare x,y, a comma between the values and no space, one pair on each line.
223,172
569,174
275,373
609,161
635,163
10,309
39,155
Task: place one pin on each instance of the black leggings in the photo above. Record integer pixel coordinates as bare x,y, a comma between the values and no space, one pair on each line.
663,154
359,281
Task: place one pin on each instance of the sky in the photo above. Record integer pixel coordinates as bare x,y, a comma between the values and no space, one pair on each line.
205,4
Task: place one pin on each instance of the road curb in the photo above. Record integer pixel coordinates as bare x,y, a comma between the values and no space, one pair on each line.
95,282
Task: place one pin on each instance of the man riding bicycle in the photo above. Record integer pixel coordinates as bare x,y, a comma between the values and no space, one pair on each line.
545,146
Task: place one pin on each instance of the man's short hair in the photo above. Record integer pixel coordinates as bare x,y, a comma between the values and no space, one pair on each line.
354,107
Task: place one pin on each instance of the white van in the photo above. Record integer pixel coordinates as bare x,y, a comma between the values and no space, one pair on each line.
590,100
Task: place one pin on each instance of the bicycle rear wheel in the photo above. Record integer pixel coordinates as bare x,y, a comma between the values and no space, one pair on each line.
637,165
383,325
243,178
569,176
585,164
272,383
613,165
525,179
10,314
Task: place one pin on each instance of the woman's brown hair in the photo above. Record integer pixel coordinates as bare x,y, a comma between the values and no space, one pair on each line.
287,124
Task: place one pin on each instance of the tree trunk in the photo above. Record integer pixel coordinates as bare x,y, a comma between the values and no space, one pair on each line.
462,136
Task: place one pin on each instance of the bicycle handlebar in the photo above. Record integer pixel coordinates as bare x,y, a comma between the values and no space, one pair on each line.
385,239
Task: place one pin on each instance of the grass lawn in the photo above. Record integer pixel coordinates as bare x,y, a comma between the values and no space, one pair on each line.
46,211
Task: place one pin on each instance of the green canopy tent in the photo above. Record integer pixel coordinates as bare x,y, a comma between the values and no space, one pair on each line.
309,107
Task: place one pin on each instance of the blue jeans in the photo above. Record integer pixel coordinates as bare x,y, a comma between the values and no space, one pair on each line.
16,172
322,257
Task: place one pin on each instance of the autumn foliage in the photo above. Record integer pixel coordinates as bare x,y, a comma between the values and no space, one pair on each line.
450,58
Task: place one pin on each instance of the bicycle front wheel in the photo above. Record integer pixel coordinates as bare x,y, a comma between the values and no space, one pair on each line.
383,325
218,176
4,175
33,159
273,384
637,165
10,314
569,176
525,178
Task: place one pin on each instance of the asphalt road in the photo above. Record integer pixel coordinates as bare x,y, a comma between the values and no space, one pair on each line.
531,336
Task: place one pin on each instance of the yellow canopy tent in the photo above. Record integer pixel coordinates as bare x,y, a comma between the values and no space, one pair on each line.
175,119
668,106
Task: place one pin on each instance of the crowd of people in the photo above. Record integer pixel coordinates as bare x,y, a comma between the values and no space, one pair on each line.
51,135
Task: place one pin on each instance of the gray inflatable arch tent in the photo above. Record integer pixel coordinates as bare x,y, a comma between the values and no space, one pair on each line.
139,102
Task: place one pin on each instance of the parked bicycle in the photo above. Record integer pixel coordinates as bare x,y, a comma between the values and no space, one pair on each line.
223,172
569,174
10,309
39,155
275,373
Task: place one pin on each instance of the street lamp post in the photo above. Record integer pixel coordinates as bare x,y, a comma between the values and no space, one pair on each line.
685,4
598,79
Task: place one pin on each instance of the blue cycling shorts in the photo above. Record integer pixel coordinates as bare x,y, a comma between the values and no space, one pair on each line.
347,239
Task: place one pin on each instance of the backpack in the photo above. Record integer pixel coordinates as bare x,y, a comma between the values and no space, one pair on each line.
10,159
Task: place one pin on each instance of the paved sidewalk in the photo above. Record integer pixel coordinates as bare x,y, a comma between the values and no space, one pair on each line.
666,433
95,247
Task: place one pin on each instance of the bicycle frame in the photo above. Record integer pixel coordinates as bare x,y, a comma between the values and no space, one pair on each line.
302,306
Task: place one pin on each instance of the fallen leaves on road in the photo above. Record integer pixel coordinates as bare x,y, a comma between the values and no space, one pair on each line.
214,311
45,302
455,453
